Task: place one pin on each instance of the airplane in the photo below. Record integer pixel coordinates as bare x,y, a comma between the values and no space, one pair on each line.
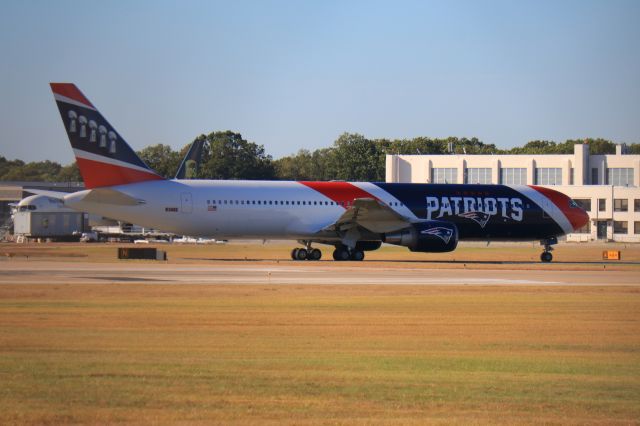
353,217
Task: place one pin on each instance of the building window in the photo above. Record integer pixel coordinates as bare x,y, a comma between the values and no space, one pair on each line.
571,176
620,227
620,205
602,204
594,176
585,203
548,176
636,227
513,176
636,205
620,176
478,175
444,175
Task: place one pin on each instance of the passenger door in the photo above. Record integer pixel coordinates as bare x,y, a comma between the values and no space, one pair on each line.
186,202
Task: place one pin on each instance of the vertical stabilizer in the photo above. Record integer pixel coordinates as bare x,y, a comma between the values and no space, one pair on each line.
103,156
191,162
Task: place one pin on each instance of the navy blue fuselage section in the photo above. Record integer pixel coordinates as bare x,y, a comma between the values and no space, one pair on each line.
480,212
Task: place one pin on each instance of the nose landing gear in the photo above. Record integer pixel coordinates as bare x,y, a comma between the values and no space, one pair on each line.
546,255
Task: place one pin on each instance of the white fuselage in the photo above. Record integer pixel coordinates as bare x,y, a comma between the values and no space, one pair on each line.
229,209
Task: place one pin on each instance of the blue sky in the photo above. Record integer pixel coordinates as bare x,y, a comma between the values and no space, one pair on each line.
297,74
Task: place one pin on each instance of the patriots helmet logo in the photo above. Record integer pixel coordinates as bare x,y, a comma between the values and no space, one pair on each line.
441,232
479,217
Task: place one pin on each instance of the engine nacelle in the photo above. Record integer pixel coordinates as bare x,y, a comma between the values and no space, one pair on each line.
434,236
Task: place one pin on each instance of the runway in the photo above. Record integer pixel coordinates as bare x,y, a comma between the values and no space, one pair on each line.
291,273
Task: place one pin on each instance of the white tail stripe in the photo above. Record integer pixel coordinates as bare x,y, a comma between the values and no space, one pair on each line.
386,197
545,204
102,159
72,101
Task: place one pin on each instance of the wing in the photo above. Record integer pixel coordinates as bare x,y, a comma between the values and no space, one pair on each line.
372,215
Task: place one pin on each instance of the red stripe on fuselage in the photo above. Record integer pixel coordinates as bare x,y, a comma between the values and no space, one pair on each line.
575,215
342,193
96,174
70,91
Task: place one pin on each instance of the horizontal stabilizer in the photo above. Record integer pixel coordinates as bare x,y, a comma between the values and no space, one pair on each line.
51,194
104,196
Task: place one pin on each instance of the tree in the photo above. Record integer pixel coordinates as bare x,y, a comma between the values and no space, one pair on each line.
228,156
634,148
162,159
535,147
69,173
599,146
357,158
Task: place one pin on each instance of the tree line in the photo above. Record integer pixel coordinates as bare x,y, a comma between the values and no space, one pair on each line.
227,155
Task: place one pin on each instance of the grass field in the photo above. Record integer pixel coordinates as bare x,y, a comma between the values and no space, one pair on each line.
319,354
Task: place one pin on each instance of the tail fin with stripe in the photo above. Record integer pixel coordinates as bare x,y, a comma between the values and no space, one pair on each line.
103,156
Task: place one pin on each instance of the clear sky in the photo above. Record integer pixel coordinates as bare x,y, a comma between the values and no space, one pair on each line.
297,74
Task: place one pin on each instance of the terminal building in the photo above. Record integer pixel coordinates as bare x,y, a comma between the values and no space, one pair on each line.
606,186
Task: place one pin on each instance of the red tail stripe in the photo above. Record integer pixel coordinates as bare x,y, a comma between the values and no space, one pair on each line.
70,91
97,174
340,192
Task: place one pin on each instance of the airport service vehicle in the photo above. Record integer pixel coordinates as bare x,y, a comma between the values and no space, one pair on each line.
351,216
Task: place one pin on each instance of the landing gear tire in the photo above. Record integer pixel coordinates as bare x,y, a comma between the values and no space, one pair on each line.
314,254
357,255
294,254
548,243
302,254
341,254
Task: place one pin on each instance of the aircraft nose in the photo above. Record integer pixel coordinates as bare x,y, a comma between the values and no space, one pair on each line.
571,216
582,220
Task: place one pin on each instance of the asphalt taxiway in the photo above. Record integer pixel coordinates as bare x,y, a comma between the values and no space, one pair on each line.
293,273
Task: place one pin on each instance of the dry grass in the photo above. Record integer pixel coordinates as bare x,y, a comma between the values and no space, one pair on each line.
319,354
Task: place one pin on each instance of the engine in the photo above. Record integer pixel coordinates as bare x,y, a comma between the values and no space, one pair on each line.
434,236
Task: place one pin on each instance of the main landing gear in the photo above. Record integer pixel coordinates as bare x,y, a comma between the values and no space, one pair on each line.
546,255
344,253
307,253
